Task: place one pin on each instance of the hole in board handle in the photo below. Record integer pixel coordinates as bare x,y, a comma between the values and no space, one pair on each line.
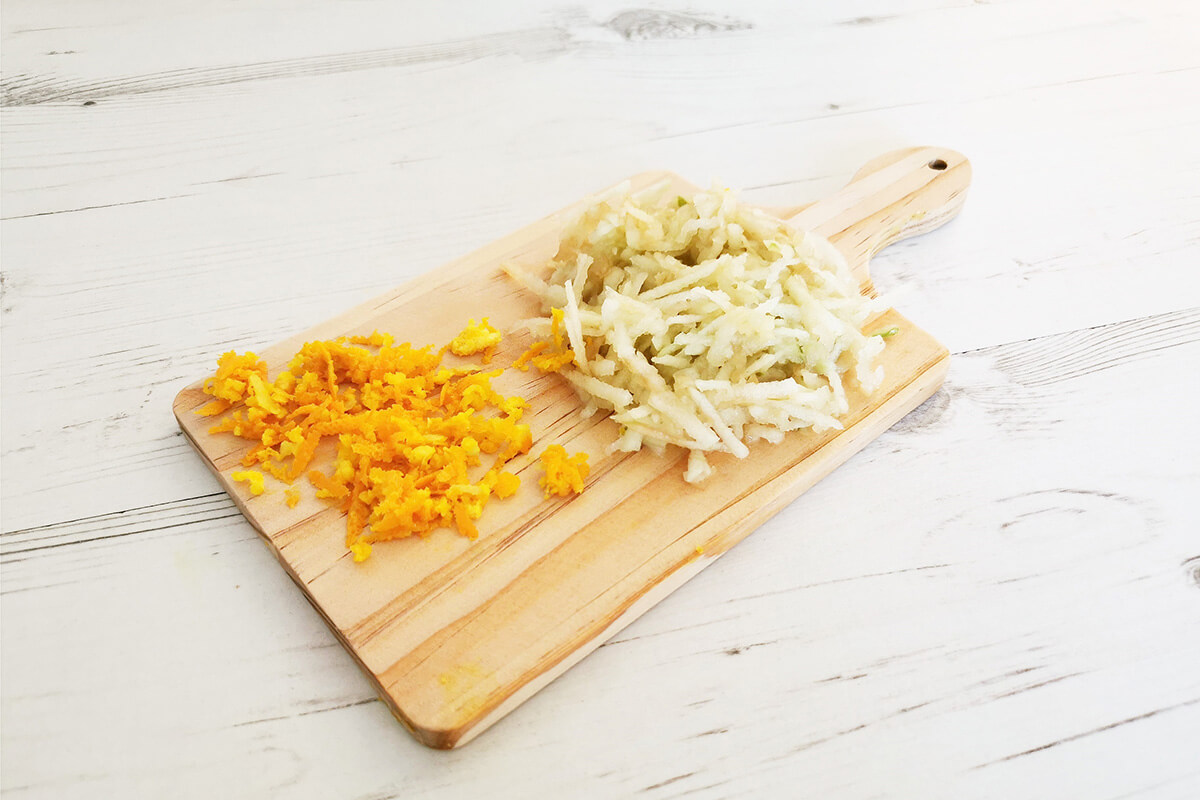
937,164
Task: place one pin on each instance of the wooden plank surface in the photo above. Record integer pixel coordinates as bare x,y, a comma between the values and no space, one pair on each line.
455,633
1007,604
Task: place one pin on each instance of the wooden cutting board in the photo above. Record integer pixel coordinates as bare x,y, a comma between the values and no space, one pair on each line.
456,633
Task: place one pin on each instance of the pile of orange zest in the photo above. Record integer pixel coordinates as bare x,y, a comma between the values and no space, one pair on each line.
230,383
563,474
559,355
411,433
476,338
252,477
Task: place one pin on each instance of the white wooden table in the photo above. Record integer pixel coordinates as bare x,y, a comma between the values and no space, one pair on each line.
998,598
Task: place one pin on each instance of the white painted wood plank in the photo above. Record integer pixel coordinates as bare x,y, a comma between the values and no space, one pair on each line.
1035,610
1021,620
342,173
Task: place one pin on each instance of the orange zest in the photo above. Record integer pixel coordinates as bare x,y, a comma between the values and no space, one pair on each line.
411,434
564,474
476,338
253,478
548,356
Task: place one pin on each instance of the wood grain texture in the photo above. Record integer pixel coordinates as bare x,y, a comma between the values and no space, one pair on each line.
113,207
456,633
802,614
994,595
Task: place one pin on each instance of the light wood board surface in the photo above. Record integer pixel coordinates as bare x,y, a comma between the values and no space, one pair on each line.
998,593
455,633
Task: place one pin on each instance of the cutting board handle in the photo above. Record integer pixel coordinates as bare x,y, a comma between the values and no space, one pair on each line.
897,195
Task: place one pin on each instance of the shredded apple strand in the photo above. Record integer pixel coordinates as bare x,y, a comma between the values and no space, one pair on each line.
703,324
409,429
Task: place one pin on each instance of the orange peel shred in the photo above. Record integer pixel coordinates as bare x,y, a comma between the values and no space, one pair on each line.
253,478
548,356
564,474
476,338
411,433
